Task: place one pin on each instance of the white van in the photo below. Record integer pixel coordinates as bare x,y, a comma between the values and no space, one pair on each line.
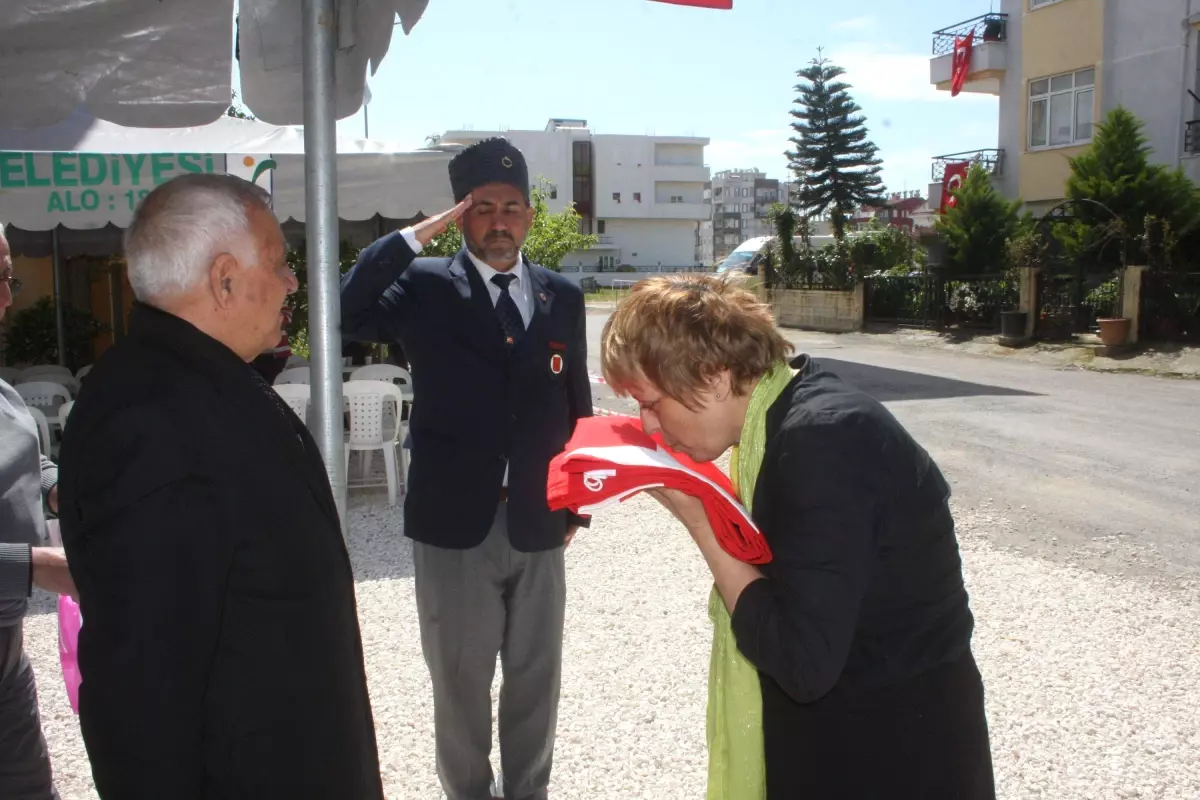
745,259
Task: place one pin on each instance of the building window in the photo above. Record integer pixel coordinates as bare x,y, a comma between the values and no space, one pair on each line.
717,192
617,197
553,193
676,198
600,226
637,197
1061,109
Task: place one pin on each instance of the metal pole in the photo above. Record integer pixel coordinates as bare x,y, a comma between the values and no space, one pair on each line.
320,204
60,321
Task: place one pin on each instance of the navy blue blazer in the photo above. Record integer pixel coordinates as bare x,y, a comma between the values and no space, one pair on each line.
476,407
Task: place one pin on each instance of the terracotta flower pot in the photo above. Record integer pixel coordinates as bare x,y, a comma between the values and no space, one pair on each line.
1114,332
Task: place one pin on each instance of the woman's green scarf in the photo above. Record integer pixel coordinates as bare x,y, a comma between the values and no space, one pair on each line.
736,765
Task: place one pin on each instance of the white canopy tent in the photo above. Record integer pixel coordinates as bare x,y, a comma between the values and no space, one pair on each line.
169,63
164,63
83,173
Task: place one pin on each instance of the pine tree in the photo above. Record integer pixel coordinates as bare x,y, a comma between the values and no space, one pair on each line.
835,164
1116,172
977,227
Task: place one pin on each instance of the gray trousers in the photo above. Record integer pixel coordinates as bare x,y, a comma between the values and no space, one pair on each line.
472,605
24,758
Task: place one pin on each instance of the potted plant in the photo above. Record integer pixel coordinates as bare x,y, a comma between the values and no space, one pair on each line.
993,30
1114,330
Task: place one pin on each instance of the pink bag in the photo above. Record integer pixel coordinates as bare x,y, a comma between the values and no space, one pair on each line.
69,623
70,620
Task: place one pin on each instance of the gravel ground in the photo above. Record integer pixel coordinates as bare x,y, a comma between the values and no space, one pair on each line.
1093,682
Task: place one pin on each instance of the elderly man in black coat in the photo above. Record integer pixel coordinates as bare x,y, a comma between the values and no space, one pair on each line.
220,649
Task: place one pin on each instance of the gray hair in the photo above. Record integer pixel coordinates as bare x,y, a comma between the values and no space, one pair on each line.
181,226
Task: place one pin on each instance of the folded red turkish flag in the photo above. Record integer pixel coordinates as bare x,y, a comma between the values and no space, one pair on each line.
610,459
725,5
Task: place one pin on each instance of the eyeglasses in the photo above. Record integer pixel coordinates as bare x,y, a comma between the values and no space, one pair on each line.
14,283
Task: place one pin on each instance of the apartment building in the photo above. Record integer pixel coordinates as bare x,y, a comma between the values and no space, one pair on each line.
643,196
741,200
906,210
1057,67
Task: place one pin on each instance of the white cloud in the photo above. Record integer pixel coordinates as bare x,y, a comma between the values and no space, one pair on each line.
880,73
855,24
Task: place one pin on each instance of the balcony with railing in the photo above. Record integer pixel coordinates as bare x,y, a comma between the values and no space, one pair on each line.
991,160
989,54
1191,138
1191,150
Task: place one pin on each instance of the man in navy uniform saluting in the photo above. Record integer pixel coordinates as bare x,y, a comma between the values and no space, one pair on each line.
499,362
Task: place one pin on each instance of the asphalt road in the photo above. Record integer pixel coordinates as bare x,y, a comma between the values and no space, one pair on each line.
1097,469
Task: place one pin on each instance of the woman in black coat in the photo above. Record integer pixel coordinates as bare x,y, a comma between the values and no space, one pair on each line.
859,627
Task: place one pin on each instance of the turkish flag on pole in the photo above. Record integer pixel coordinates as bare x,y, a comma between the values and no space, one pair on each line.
952,181
724,5
960,65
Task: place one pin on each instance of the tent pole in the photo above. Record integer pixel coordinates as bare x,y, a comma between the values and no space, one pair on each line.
60,320
320,201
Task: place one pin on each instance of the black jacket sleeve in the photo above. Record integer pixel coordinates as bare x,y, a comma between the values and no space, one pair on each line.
151,559
375,299
797,625
579,385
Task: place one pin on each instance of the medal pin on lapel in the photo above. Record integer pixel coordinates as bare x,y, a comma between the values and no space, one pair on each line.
542,296
556,363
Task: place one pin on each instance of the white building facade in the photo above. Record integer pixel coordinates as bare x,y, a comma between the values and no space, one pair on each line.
643,196
742,200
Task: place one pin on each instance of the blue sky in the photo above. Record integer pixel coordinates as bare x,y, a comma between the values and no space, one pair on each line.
634,66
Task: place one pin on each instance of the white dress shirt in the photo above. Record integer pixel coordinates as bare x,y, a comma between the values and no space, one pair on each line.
519,289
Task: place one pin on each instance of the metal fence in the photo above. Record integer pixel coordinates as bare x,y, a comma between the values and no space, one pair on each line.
1170,307
988,28
933,300
1069,303
910,300
976,301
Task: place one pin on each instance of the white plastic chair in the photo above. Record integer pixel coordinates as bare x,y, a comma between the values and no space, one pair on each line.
45,443
382,372
368,433
64,411
9,375
391,373
63,379
46,396
293,375
297,396
46,369
83,371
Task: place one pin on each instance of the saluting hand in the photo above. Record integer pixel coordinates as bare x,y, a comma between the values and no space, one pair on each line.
429,229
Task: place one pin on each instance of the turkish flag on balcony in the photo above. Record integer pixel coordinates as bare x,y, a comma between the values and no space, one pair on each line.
952,181
725,5
960,66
